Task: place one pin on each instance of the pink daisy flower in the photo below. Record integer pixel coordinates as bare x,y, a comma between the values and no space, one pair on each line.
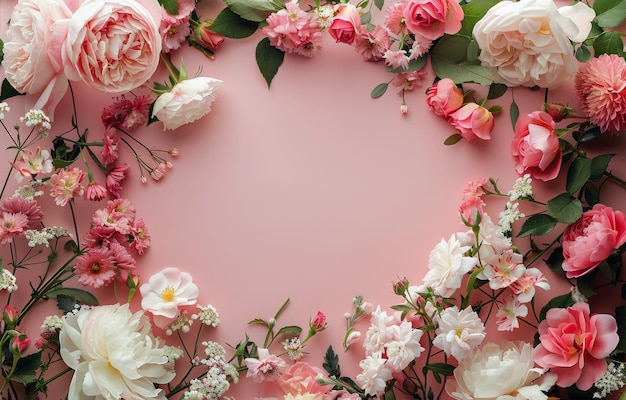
101,236
95,268
372,46
601,87
395,20
123,261
11,225
66,184
30,208
396,59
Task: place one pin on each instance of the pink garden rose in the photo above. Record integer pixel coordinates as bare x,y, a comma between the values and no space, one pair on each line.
529,42
346,23
591,240
432,18
574,344
124,58
472,121
32,52
535,146
444,97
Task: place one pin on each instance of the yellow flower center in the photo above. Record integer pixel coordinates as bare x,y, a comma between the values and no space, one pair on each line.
168,294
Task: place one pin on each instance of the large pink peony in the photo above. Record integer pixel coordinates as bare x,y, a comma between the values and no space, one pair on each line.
535,146
574,344
601,88
301,379
591,240
113,45
432,18
32,52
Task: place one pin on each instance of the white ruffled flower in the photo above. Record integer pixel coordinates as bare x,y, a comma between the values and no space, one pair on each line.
404,346
378,333
114,354
447,265
459,332
375,375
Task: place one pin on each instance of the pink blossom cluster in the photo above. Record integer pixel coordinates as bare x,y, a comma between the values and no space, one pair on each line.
115,236
174,29
18,214
294,30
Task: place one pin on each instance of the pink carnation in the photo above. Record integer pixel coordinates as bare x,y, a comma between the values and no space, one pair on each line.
601,88
30,208
95,268
293,30
574,344
408,80
66,184
114,178
267,367
372,45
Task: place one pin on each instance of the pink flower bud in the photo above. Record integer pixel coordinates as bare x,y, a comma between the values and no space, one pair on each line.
206,37
19,344
318,322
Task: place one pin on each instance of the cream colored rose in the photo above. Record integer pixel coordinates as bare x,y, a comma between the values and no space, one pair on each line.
529,43
114,355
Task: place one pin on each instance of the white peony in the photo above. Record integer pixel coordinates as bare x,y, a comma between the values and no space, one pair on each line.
114,355
503,371
447,264
529,43
459,332
187,101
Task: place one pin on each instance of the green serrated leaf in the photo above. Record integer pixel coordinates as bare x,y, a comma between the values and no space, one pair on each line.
608,42
565,208
578,174
452,139
562,301
537,225
26,369
232,25
599,164
268,59
331,363
379,90
609,13
171,6
449,60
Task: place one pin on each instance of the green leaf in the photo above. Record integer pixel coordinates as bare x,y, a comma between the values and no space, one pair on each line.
441,368
449,60
496,90
452,139
1,50
620,317
389,394
599,164
592,194
254,10
537,225
233,26
555,261
26,369
366,17
379,4
565,208
583,54
80,295
514,113
331,363
473,11
562,301
585,284
290,330
8,91
379,90
609,13
258,321
608,43
268,59
578,174
171,6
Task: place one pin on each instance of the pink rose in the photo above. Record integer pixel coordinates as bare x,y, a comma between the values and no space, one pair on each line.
535,147
206,37
346,23
432,18
32,52
472,121
591,240
319,321
124,58
302,379
444,97
574,344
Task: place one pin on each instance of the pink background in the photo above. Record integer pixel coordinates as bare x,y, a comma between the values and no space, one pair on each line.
310,190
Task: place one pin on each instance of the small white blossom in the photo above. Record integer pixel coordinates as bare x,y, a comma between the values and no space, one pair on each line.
325,16
612,380
50,327
522,188
510,214
182,322
4,108
30,191
7,281
173,353
37,119
293,347
208,315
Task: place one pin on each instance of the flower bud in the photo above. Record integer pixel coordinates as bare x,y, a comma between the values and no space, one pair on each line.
401,286
352,338
207,37
19,344
318,322
557,111
404,109
10,317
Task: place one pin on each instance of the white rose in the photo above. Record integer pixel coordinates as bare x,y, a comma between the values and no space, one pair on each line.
529,43
498,370
188,101
114,354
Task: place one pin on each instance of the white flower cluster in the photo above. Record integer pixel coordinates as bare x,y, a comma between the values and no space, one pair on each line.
613,379
216,381
510,214
44,236
522,188
182,322
208,315
293,347
7,281
37,119
173,353
4,109
50,327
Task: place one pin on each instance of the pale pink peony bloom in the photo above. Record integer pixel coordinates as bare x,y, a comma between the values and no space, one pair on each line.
444,97
601,87
291,28
503,269
432,18
267,367
574,344
114,178
372,45
12,225
508,312
126,56
19,205
301,379
524,287
591,240
408,81
500,371
30,163
459,332
95,192
447,265
32,52
127,114
166,292
396,59
374,374
472,121
346,23
535,146
66,185
186,102
95,268
529,42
